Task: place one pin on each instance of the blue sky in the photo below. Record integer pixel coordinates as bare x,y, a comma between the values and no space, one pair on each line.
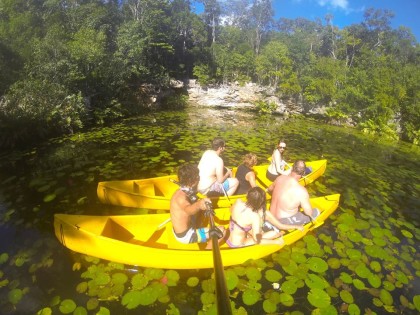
347,12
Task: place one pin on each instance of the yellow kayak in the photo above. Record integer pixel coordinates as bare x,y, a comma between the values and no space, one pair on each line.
156,192
148,240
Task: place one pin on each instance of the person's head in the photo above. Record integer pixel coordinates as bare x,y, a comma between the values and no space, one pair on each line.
218,143
255,198
188,175
299,167
282,145
250,160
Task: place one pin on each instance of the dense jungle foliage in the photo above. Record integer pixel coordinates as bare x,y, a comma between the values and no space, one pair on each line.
70,64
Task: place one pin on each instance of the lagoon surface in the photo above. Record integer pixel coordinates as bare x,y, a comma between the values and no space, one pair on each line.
367,254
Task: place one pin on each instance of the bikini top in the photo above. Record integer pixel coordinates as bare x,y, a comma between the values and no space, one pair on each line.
232,224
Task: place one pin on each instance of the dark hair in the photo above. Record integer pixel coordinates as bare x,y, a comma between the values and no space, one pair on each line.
255,198
217,143
299,167
188,174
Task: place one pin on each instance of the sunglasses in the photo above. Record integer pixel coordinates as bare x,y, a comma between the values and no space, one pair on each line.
281,147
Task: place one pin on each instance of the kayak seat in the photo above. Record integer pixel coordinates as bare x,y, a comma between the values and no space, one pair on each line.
115,231
148,189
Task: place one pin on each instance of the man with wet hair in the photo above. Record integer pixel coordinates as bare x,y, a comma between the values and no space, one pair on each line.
288,196
184,209
214,181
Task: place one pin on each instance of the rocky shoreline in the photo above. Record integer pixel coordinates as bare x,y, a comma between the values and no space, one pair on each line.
235,95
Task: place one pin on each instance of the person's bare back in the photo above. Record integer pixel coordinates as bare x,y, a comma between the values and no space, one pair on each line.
287,197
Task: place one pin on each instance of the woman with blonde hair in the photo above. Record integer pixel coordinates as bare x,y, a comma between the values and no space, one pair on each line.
245,174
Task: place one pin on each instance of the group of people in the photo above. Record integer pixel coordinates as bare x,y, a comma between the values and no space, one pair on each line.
250,223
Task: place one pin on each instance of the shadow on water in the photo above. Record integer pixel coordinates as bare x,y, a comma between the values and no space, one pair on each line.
369,247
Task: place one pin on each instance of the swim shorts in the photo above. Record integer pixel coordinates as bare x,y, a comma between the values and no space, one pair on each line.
192,236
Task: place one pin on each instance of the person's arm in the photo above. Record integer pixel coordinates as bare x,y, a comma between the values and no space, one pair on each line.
305,203
220,170
195,207
273,220
256,228
250,177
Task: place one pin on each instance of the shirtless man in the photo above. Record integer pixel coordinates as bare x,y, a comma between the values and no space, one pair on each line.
288,196
212,177
184,211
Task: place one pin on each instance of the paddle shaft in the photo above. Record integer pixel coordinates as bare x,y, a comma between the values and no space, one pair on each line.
222,293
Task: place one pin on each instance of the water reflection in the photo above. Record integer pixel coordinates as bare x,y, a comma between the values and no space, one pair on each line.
378,219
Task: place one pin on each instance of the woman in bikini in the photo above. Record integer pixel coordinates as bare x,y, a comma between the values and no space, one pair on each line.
247,219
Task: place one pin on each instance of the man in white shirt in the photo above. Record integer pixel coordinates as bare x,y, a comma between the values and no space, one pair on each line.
213,180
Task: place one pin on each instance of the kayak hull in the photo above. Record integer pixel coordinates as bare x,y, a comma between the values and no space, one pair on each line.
148,240
155,193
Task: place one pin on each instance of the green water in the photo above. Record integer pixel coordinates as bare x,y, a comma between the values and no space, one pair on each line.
363,260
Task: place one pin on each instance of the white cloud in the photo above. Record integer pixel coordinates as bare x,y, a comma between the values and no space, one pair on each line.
341,4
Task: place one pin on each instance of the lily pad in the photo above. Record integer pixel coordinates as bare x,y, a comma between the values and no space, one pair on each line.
315,281
15,296
386,297
193,281
287,299
289,287
67,306
416,302
253,273
250,296
273,275
346,296
317,264
232,279
269,306
359,284
319,298
353,309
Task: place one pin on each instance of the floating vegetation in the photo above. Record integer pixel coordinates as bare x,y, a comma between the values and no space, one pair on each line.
364,260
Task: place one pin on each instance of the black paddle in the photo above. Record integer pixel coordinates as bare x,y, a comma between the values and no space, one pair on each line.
222,293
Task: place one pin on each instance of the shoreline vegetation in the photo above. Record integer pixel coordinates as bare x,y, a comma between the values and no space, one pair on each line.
69,66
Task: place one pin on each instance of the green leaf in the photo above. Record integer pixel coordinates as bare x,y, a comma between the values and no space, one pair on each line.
416,302
193,281
317,264
269,306
273,275
250,296
353,309
232,279
103,311
319,298
67,306
346,296
374,280
360,285
386,297
286,299
314,281
289,287
4,257
131,299
80,310
15,296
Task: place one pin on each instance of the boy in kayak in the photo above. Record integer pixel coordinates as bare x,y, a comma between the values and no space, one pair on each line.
185,208
213,180
288,196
